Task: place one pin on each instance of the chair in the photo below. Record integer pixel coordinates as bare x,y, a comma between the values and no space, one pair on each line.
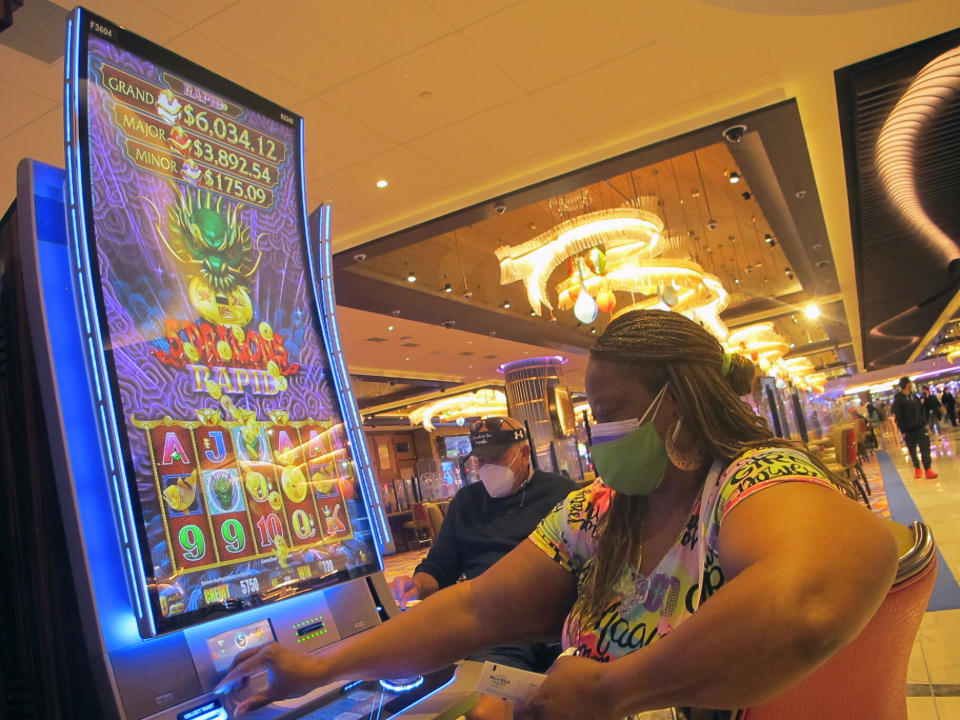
421,524
435,515
868,677
843,458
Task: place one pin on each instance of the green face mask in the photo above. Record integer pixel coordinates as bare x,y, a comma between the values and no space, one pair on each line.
631,461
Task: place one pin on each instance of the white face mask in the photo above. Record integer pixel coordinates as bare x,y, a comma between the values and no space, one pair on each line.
497,479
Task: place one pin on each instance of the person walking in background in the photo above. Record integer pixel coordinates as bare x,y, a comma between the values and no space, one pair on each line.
934,410
950,404
911,419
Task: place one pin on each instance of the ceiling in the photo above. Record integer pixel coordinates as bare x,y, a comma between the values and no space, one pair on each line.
763,237
456,103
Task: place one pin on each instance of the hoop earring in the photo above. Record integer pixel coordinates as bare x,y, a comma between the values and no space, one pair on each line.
682,459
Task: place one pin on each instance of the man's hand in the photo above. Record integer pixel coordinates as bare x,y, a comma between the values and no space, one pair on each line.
419,587
404,590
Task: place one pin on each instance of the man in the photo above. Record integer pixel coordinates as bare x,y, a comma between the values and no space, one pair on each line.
934,409
911,420
949,403
485,521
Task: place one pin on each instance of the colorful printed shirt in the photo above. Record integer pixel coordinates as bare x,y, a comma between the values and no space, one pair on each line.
647,608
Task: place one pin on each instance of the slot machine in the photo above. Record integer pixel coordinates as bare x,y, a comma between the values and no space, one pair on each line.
184,466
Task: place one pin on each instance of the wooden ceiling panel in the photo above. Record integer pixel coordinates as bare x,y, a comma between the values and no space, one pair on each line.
735,251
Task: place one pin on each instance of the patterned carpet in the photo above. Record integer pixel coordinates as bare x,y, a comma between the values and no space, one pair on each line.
402,563
878,493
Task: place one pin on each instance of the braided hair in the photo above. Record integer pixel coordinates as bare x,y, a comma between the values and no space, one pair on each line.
652,347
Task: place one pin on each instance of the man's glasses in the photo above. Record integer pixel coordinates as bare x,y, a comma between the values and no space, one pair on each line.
489,424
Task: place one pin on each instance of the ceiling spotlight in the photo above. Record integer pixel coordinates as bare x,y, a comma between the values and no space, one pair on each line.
593,331
770,240
533,313
506,304
746,195
734,178
412,277
812,311
467,295
788,272
382,184
391,328
448,288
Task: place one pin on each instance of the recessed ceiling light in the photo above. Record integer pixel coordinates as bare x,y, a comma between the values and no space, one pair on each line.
448,288
382,184
506,304
406,358
425,95
412,277
734,178
812,311
391,328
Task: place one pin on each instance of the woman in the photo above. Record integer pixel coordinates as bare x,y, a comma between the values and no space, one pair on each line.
723,611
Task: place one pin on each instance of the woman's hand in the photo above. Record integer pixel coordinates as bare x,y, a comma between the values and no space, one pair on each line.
289,674
574,689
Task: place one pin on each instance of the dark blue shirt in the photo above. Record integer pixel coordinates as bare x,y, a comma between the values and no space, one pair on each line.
478,530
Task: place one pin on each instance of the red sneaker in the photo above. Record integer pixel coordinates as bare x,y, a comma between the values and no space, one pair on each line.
931,474
917,473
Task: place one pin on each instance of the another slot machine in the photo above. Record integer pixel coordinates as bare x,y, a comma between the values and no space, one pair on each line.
192,413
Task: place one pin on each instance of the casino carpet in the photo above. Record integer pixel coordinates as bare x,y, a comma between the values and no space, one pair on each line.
879,502
946,592
402,563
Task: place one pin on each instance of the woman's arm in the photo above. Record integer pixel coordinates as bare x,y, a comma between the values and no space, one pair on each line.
806,569
525,595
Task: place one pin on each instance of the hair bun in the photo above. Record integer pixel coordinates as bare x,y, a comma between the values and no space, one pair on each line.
741,374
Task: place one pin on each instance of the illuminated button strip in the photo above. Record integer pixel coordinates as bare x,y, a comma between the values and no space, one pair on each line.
309,629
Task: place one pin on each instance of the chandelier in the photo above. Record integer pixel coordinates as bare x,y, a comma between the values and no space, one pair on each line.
457,408
620,249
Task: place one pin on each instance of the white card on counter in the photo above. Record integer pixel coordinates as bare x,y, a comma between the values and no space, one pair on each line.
508,683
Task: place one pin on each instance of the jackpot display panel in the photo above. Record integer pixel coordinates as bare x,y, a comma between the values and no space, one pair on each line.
220,412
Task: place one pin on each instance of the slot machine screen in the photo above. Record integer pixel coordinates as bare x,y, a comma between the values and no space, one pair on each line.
238,464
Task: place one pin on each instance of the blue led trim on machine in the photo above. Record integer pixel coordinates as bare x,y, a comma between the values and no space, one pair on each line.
325,303
380,525
366,470
96,358
402,687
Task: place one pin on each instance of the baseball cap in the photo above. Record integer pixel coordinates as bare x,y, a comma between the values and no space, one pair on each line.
493,436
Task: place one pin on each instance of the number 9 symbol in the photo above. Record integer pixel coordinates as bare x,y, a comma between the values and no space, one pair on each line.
192,542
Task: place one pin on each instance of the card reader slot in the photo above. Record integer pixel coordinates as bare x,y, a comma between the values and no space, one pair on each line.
311,628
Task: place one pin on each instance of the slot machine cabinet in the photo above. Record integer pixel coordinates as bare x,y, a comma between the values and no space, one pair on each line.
184,473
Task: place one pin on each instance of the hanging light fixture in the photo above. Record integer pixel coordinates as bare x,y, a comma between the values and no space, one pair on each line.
585,309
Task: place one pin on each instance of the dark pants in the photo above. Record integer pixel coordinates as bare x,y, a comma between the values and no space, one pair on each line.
920,438
952,414
535,658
